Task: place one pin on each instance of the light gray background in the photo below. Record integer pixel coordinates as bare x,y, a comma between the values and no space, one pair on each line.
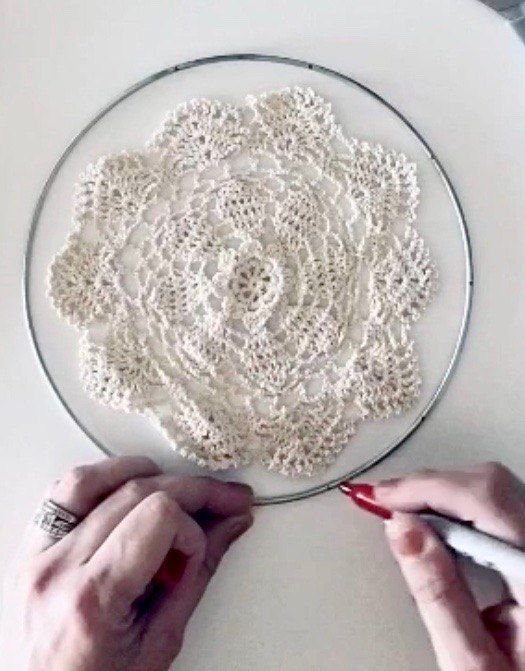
311,586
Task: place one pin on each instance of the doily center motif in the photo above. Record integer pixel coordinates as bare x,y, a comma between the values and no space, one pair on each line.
248,281
255,285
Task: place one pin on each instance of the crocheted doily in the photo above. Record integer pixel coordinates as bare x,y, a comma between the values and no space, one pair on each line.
248,281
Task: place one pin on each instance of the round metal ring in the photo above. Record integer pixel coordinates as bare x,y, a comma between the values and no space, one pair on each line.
467,306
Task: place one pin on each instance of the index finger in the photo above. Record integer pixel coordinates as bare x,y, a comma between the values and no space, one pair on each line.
445,604
488,495
191,494
203,493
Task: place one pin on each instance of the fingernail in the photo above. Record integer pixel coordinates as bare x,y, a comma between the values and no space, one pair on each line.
172,569
405,534
238,525
241,485
357,489
362,494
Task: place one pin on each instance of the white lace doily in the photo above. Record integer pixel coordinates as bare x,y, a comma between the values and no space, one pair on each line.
248,281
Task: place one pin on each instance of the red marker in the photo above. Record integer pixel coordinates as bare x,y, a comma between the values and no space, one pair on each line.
172,569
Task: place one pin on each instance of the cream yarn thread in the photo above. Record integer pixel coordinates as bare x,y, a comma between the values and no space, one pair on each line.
248,281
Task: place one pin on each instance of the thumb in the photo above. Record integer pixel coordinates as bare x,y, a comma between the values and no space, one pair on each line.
445,604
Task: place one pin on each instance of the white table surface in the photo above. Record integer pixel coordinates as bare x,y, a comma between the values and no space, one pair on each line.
311,587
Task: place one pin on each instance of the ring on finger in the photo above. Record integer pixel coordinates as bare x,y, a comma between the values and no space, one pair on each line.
55,520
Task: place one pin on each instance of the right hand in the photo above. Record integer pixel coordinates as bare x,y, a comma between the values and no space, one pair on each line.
493,500
115,594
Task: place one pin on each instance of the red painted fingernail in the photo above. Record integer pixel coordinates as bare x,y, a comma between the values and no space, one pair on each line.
172,569
360,489
363,496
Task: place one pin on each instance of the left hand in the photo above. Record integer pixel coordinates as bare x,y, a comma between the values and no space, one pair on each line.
115,593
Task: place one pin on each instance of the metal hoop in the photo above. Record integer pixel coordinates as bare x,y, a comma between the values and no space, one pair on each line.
460,340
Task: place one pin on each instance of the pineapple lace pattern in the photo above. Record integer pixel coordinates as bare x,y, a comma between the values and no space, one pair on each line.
248,281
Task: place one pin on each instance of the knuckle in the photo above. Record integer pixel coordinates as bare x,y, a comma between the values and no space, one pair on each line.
440,580
77,481
162,505
436,588
136,489
493,483
36,576
86,607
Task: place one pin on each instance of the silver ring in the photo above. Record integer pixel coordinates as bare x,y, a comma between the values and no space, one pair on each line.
465,235
56,521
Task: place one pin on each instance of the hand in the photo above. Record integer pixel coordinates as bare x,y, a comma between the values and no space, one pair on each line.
493,500
116,593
